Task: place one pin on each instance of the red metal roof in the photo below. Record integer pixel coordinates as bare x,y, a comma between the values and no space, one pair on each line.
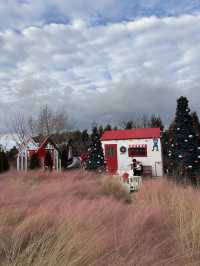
139,133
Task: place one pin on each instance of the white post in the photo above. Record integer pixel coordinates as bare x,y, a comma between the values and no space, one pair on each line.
26,157
57,163
60,167
18,162
22,162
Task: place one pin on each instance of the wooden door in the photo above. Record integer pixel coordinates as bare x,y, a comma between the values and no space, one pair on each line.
111,158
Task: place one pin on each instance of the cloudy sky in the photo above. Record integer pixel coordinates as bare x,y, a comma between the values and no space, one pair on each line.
103,60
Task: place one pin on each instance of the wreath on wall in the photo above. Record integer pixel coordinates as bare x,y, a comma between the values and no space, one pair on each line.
122,149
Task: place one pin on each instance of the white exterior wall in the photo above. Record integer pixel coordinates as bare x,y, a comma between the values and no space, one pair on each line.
154,158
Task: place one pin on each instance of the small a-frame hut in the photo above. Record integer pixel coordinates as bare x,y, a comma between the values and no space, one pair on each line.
47,145
30,147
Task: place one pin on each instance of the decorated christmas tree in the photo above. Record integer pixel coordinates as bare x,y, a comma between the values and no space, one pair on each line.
195,123
183,150
95,156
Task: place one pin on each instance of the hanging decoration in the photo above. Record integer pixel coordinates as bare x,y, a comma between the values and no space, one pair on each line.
123,149
155,144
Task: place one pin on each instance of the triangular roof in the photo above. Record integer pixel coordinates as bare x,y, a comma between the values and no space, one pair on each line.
138,133
45,141
27,144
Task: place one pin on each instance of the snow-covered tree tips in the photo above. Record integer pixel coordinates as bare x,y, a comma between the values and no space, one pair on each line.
184,149
95,156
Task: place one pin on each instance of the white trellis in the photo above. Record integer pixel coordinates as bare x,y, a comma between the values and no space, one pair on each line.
22,161
24,155
57,161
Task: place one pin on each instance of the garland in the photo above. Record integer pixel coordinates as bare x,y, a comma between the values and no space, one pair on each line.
122,149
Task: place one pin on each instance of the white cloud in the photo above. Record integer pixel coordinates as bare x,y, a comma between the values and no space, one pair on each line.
103,72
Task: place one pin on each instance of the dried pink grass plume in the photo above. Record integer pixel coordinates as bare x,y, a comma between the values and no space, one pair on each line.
79,218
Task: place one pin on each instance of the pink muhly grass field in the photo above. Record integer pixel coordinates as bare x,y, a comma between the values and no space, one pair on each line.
73,218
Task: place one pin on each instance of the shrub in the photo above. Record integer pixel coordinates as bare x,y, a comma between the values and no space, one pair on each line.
111,185
4,164
34,162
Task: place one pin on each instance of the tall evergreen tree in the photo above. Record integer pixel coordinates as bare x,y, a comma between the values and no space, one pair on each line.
108,127
101,130
156,121
95,158
85,139
195,123
64,156
85,136
4,164
183,152
129,125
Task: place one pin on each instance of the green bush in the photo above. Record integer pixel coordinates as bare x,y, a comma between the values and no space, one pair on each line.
34,162
4,164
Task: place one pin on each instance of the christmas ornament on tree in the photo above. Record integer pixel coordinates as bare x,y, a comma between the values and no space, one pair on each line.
95,156
185,145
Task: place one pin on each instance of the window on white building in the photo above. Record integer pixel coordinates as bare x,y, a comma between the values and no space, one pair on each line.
137,151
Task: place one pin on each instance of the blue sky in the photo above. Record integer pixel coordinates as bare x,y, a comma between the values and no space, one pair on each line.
117,10
23,13
103,61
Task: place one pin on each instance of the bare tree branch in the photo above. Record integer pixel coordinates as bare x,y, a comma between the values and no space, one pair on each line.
17,126
48,122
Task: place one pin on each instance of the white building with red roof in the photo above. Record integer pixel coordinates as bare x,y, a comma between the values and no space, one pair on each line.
143,144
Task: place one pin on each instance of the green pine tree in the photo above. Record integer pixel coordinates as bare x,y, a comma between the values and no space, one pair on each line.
4,164
95,152
195,123
184,150
156,121
108,127
129,125
101,130
34,162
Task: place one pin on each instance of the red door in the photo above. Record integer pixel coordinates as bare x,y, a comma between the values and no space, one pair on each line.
111,158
